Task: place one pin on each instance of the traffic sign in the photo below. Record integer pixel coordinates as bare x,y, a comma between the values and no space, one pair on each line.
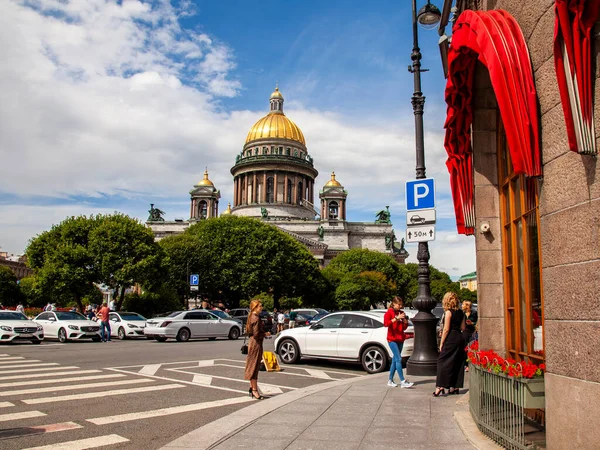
420,217
193,288
421,233
420,194
194,279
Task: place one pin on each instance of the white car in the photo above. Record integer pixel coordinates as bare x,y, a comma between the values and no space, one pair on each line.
344,336
126,324
66,326
310,312
15,326
186,325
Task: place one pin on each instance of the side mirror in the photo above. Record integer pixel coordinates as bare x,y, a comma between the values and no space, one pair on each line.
115,319
52,319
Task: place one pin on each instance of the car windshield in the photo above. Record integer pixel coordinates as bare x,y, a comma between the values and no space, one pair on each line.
221,314
5,315
169,314
322,311
69,316
131,316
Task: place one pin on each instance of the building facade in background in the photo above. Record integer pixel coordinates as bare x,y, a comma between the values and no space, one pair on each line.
468,281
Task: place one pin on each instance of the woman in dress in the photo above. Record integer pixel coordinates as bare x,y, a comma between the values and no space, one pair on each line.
396,322
256,333
450,372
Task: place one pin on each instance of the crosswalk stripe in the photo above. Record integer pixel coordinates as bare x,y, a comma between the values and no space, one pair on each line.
29,367
38,429
6,404
167,411
53,374
150,369
36,401
60,380
12,362
20,415
10,358
318,374
82,444
73,387
37,369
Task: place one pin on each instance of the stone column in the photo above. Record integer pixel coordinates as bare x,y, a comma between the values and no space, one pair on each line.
342,211
245,191
285,188
295,191
236,184
254,196
264,188
275,182
191,208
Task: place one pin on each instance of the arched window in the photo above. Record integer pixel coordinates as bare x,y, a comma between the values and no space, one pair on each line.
203,210
289,192
299,195
288,151
270,190
333,210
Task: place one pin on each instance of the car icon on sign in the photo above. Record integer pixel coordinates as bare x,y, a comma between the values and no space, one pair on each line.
417,219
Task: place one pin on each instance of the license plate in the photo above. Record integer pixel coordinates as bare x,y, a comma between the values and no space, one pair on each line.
25,335
91,333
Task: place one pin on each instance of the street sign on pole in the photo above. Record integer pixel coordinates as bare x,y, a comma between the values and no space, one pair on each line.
420,194
194,279
421,233
420,217
193,287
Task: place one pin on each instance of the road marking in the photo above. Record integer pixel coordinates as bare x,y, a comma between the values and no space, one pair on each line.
60,380
318,374
6,363
6,404
72,387
202,379
275,389
29,367
150,369
206,363
44,369
167,411
38,429
21,415
82,444
9,358
270,389
64,398
162,364
53,374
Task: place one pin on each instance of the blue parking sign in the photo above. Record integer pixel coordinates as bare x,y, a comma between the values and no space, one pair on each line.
194,280
420,194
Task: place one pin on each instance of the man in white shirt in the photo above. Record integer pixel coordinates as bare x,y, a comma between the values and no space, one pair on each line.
280,321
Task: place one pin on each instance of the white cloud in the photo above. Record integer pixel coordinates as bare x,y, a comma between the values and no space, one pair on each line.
105,99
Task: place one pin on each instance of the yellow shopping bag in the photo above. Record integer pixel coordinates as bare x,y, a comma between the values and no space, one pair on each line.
270,361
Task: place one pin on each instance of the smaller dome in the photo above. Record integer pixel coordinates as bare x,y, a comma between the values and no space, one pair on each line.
227,211
333,181
205,181
276,94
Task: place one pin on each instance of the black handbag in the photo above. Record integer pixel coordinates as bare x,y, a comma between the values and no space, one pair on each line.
244,348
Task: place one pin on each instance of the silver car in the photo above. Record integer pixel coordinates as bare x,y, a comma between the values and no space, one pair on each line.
185,325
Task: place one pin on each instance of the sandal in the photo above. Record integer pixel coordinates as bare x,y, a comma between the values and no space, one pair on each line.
260,397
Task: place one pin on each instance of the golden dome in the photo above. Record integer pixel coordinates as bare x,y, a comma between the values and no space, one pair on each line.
275,124
205,181
333,181
227,211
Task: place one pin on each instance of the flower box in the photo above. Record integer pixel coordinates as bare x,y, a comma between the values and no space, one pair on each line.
535,397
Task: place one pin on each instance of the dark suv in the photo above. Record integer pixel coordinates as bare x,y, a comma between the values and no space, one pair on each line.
242,314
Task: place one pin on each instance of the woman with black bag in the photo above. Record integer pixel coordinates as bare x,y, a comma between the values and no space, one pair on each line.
450,365
256,333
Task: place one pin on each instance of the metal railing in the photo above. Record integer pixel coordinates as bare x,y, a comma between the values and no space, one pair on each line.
498,406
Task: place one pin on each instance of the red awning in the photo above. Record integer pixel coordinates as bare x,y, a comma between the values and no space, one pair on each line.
574,70
495,39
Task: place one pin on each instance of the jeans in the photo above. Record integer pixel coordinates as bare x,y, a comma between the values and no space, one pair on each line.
396,365
105,331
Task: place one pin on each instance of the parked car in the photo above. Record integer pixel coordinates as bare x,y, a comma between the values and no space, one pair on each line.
241,314
185,325
15,326
310,312
224,315
345,336
66,326
316,318
126,324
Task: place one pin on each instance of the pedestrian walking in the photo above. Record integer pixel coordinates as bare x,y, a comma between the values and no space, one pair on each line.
451,361
280,321
256,333
103,315
396,321
470,320
48,307
20,308
293,315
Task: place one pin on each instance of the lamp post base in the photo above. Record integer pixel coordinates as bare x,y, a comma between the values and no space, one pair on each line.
423,361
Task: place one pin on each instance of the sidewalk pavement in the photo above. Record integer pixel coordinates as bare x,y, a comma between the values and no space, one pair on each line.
360,413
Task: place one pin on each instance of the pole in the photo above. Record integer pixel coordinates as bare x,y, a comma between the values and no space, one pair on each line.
424,358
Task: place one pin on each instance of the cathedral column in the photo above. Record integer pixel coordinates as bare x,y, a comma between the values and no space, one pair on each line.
275,183
264,188
254,196
245,190
236,192
342,210
310,191
191,208
285,188
295,191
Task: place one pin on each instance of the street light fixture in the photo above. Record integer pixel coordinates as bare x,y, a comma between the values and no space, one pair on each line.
424,358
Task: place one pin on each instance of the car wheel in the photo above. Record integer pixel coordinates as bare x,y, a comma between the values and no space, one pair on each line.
374,360
62,335
122,334
289,351
234,333
160,338
36,341
183,335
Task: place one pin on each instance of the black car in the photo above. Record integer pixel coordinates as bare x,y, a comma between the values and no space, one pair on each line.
241,314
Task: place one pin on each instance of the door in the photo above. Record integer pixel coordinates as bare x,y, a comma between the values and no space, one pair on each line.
214,327
196,322
114,321
42,320
52,325
321,339
354,331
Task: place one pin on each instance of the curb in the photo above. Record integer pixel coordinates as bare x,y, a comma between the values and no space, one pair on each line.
469,429
213,433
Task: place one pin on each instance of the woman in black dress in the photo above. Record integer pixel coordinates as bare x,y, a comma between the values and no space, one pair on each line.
450,366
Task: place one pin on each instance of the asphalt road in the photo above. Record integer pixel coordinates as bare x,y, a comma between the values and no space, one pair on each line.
138,394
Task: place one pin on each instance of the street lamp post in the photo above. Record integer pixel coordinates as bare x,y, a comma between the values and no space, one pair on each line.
424,358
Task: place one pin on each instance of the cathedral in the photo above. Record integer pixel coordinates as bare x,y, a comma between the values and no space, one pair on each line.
274,181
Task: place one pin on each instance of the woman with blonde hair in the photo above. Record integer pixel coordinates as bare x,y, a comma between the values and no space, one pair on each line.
256,334
450,366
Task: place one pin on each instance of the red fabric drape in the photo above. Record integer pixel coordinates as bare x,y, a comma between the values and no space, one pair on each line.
495,39
573,24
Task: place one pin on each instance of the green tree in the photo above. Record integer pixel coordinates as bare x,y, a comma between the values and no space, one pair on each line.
440,283
33,295
10,295
151,303
364,290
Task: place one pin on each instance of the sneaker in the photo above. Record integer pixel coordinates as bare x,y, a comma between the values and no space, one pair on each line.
392,384
406,384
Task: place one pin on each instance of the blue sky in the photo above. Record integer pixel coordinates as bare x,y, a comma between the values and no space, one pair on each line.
110,106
